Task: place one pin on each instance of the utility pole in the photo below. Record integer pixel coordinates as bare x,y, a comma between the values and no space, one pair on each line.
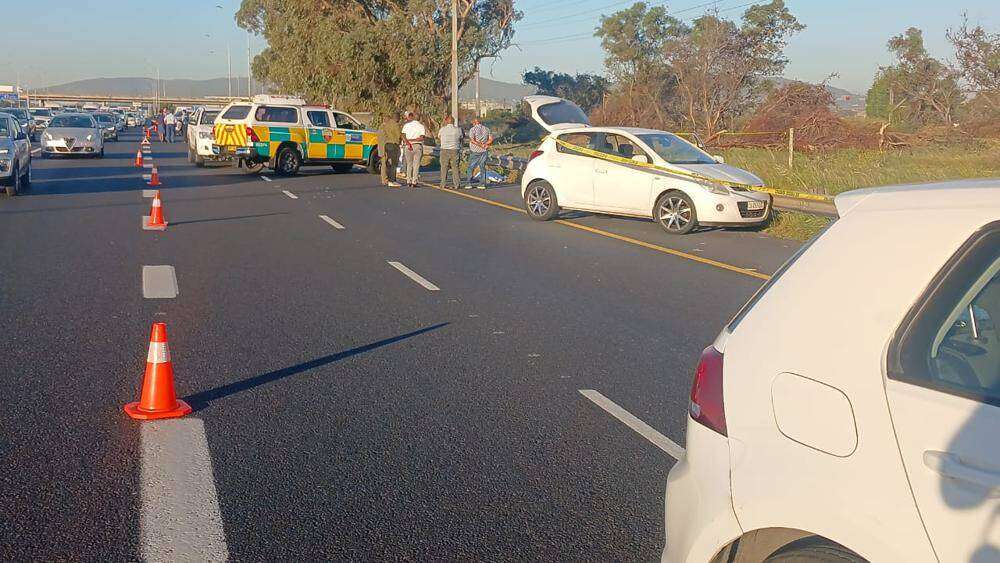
454,60
249,69
229,61
479,112
157,88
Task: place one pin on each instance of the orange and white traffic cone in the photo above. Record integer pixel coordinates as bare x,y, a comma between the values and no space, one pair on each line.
155,220
158,399
154,177
138,158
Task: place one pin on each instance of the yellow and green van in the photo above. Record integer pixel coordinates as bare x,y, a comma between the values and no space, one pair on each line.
285,133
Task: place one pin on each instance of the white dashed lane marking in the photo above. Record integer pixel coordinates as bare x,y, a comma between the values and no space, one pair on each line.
289,194
159,282
414,276
148,193
180,518
332,223
644,430
265,178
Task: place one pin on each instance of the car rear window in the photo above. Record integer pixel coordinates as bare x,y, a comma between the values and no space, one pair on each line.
562,112
208,117
236,112
276,114
770,283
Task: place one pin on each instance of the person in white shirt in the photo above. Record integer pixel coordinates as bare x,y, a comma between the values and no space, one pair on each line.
413,147
169,121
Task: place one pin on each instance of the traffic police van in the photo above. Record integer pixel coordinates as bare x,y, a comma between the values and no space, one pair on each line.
285,133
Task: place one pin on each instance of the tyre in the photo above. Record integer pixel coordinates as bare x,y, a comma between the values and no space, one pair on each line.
101,154
287,161
374,164
14,184
190,155
540,201
675,212
252,166
26,180
199,160
342,168
814,550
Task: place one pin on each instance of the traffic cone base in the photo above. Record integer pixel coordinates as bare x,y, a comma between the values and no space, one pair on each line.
147,227
138,413
155,221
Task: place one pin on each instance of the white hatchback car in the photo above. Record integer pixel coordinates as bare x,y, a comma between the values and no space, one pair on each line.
559,177
851,409
200,136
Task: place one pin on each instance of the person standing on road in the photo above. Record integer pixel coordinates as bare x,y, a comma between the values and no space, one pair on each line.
413,135
168,123
449,141
388,138
161,125
184,125
480,140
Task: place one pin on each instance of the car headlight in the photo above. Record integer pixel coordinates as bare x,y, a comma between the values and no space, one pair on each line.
90,137
4,151
717,189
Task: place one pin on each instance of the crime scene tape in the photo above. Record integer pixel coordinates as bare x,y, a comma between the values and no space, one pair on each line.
685,174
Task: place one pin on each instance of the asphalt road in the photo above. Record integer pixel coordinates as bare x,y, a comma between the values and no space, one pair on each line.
349,412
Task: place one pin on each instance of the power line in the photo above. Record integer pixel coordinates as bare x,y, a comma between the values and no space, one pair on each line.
576,16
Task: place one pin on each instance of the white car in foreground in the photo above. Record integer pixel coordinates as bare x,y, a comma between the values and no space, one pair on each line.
851,409
200,136
559,177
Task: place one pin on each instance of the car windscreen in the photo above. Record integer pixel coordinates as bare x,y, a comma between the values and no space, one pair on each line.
41,112
562,112
236,112
208,117
79,121
104,118
20,114
675,150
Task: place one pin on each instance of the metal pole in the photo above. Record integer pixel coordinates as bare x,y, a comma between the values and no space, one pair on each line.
249,69
229,61
479,111
157,89
454,60
791,146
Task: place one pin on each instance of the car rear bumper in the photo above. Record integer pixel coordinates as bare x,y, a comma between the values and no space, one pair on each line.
699,515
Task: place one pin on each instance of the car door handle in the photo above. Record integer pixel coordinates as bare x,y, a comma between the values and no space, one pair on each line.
949,465
601,170
553,165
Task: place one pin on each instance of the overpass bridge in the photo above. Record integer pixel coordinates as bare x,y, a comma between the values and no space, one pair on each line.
47,98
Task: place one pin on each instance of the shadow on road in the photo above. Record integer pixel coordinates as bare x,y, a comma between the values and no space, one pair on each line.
201,400
234,218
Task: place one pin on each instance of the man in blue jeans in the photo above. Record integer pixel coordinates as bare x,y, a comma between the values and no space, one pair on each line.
480,140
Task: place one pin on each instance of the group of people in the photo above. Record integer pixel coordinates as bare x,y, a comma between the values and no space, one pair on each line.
168,126
407,141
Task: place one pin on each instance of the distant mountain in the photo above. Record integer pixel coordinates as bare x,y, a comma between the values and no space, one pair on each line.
141,86
495,90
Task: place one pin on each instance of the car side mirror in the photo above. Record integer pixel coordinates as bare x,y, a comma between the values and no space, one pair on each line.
640,158
719,158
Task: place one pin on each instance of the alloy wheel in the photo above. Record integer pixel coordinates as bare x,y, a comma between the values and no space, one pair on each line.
539,200
674,213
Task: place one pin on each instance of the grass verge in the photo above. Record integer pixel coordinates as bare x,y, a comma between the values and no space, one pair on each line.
795,226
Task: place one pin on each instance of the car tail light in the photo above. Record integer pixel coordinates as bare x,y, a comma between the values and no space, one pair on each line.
706,406
534,154
251,135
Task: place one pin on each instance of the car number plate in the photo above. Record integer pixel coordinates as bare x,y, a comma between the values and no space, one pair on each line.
755,205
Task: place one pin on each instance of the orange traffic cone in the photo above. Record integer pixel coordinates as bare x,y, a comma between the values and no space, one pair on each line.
154,178
155,220
158,399
138,158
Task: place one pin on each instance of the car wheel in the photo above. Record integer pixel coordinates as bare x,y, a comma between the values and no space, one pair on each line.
540,201
26,180
342,168
287,162
675,213
14,184
190,154
814,550
199,160
101,154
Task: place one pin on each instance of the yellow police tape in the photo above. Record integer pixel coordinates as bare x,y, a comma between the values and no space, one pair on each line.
692,175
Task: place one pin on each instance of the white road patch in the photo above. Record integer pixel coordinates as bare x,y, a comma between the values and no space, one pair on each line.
414,276
644,430
149,193
265,178
332,223
180,518
289,194
159,282
147,177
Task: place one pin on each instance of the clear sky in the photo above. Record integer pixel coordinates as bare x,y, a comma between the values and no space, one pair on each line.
63,40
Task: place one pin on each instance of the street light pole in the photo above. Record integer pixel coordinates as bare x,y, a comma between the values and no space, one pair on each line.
454,60
229,60
249,69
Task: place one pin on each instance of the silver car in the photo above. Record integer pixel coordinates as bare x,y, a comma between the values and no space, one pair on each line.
108,124
15,155
73,134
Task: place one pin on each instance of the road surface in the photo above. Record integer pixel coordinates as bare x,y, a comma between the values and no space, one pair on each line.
376,374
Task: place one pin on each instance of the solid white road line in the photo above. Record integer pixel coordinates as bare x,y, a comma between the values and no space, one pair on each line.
414,276
159,282
180,518
148,193
265,178
332,223
644,430
289,194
